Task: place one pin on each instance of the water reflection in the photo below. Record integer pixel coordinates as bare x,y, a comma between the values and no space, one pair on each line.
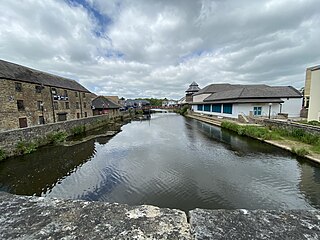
169,161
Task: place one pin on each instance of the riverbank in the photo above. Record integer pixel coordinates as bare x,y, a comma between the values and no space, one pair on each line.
29,217
296,147
26,140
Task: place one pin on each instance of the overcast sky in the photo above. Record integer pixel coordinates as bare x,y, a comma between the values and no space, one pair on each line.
156,48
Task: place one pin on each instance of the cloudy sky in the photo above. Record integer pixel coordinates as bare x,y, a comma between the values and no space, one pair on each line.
156,48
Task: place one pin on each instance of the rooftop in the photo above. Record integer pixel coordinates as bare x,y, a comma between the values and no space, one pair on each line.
17,72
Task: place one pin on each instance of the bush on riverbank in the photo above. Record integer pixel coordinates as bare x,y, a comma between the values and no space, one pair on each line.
276,133
78,130
250,131
183,111
300,151
24,147
57,137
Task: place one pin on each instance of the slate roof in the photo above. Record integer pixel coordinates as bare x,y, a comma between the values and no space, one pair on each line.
252,92
193,87
102,102
314,68
219,87
15,72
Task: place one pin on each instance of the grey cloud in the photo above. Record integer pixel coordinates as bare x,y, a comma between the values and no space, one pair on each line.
165,44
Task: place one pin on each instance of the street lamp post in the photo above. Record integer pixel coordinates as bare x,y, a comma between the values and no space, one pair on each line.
270,105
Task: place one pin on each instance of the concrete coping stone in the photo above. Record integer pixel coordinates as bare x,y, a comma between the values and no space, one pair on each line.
27,217
255,224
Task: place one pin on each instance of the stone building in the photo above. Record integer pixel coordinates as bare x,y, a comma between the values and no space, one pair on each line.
103,105
29,97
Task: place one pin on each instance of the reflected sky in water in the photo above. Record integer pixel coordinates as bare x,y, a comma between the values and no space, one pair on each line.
169,161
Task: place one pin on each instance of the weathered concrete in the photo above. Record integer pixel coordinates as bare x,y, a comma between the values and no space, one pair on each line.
24,217
255,224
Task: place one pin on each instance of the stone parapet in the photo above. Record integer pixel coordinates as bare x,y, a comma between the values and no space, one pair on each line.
255,224
26,217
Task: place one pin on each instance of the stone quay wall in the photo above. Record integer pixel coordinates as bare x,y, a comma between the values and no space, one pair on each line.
9,139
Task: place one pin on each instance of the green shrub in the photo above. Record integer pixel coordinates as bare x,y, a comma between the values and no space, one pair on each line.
250,131
24,147
184,110
2,154
78,130
300,151
57,137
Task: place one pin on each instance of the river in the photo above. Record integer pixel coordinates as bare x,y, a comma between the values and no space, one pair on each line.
169,161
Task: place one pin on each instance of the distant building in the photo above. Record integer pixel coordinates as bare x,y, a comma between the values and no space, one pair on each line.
193,88
136,103
114,99
229,100
169,103
30,97
103,105
313,93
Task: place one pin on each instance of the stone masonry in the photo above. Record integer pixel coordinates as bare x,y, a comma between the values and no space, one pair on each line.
40,101
26,217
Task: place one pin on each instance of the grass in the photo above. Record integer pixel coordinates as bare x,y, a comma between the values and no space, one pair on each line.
24,147
300,151
312,123
274,133
57,137
3,155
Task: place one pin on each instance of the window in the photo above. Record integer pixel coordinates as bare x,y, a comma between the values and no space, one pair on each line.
55,106
40,105
38,89
76,94
227,108
67,105
216,108
62,117
257,111
54,91
20,105
84,105
65,93
207,107
85,114
200,107
78,115
77,105
84,95
18,87
23,122
41,120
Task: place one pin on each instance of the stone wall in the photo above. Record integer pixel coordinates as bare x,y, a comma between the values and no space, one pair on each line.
45,103
290,125
9,139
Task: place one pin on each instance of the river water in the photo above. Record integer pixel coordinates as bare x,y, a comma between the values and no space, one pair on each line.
169,161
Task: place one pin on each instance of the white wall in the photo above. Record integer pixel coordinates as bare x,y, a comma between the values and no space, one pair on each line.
245,108
292,106
201,97
314,104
